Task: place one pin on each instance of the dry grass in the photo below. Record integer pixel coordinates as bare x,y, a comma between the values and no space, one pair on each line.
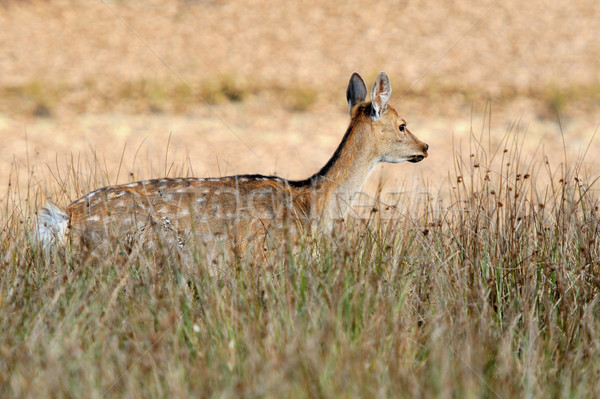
482,281
73,75
62,57
488,289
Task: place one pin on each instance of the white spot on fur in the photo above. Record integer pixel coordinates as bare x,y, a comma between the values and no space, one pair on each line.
167,223
93,218
96,201
131,185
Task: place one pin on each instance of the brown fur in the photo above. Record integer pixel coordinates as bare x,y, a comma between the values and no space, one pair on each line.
241,208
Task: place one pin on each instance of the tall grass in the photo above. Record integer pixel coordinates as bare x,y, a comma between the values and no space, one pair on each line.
486,287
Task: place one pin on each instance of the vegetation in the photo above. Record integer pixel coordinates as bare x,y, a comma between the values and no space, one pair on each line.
488,287
45,99
484,286
39,98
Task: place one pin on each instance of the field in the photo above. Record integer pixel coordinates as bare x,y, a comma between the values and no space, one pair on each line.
474,273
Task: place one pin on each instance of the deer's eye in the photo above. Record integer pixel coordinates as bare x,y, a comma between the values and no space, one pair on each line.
402,127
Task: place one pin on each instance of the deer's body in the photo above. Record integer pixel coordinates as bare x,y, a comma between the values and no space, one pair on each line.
243,207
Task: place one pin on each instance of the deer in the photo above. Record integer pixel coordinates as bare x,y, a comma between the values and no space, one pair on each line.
240,208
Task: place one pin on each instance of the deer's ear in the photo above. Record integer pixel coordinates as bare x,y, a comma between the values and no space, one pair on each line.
356,91
380,95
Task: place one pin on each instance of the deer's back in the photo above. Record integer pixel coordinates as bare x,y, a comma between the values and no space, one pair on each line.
187,206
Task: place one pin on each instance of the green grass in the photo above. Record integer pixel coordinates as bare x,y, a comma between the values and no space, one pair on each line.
486,287
40,98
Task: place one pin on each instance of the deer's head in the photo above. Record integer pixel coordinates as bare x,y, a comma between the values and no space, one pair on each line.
392,140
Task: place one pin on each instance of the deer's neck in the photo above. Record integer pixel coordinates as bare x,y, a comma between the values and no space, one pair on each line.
338,182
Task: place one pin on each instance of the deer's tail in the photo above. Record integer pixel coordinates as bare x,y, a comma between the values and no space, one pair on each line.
51,228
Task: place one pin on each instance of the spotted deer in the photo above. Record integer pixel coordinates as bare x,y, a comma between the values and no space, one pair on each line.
238,209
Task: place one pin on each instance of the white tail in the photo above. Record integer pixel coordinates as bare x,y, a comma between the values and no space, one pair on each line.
52,226
242,208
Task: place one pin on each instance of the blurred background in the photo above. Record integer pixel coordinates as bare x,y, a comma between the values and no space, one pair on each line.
213,87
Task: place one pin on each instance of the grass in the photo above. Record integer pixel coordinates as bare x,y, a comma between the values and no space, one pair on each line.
486,287
40,98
